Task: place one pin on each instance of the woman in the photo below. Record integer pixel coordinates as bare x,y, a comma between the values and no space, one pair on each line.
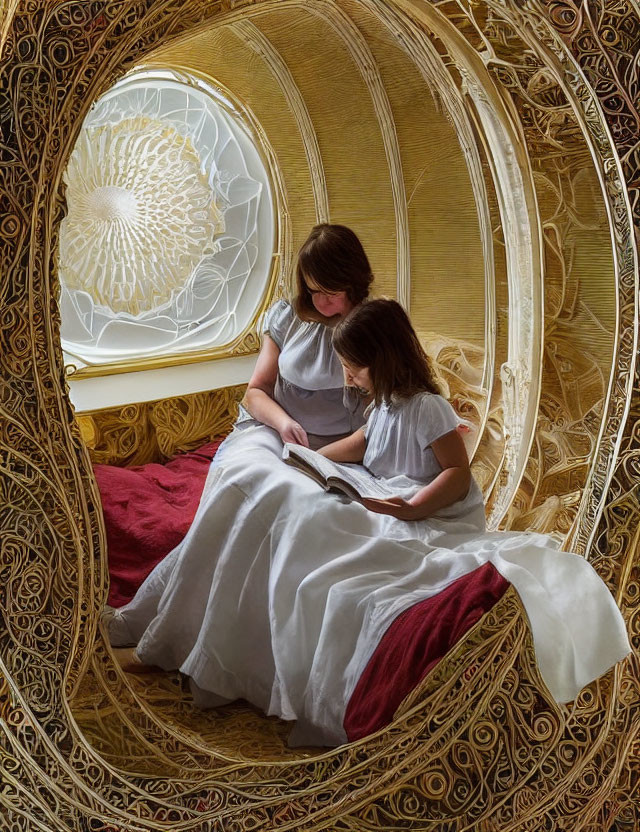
296,394
297,387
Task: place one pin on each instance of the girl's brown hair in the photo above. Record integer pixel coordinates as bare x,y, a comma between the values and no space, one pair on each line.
378,335
332,257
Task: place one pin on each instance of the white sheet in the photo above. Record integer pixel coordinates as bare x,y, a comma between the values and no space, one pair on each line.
280,591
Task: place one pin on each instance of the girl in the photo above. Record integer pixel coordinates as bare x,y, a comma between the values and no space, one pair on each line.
292,588
412,430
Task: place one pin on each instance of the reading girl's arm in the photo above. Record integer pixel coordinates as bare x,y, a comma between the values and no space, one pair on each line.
451,484
259,396
349,449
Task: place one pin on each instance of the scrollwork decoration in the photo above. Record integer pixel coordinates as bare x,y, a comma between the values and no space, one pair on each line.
479,745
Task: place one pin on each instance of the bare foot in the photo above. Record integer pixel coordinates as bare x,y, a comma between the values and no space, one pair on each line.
130,663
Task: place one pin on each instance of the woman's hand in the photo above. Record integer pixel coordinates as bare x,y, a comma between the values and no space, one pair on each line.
292,431
395,506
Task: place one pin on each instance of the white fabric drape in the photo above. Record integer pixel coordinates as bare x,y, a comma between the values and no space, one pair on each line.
280,592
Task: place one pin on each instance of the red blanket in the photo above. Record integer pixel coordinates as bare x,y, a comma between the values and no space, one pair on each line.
415,642
148,510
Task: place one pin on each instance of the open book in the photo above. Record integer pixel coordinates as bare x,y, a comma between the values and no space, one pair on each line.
355,482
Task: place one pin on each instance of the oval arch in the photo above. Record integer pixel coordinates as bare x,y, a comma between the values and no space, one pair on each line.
61,59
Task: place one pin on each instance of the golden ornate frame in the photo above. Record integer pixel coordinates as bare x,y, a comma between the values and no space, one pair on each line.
480,745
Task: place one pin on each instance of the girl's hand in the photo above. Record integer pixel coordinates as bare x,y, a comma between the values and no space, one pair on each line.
291,431
395,506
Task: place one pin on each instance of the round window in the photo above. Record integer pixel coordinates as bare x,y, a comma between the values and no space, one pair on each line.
168,242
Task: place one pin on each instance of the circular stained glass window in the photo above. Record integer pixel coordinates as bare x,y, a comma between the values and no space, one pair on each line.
168,241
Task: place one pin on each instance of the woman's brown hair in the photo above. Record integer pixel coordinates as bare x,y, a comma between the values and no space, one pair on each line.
378,335
332,257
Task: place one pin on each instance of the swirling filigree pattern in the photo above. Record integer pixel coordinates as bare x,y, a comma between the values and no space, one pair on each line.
479,745
156,431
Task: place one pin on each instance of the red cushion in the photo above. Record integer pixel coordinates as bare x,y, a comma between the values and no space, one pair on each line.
147,511
414,643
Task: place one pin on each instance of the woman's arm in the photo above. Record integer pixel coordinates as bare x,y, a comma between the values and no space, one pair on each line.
259,399
349,449
451,484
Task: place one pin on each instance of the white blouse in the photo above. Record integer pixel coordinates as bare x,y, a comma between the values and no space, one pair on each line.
307,358
310,385
399,435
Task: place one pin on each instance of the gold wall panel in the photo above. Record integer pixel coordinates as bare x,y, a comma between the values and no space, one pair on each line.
157,431
347,129
445,243
346,125
222,54
479,745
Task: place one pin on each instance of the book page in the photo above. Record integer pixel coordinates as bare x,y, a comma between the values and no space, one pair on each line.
308,461
362,482
333,473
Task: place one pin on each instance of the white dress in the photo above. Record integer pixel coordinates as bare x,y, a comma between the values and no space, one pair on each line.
281,592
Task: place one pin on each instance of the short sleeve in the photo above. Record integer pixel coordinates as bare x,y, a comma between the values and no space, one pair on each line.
369,416
435,419
277,321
